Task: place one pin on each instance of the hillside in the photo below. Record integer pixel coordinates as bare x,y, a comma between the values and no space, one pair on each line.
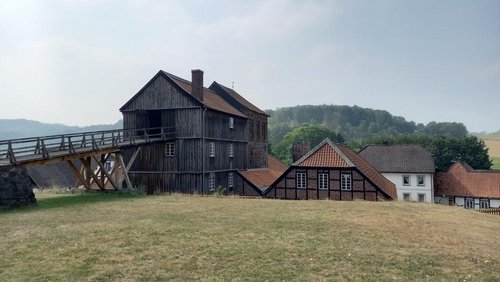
118,237
19,128
354,123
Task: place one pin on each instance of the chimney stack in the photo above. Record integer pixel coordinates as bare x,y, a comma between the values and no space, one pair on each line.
197,84
300,149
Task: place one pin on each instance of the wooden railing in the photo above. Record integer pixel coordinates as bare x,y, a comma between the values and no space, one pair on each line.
490,211
43,146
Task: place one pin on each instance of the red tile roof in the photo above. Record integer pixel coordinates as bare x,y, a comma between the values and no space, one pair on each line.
210,98
462,180
263,177
330,155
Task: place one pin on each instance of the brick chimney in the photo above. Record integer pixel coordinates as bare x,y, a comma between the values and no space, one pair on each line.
197,84
299,150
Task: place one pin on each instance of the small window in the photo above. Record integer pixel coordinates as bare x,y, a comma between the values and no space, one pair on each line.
406,180
420,180
451,201
211,182
211,149
108,165
345,182
484,204
421,197
469,203
406,197
230,150
231,122
323,181
170,149
301,180
230,180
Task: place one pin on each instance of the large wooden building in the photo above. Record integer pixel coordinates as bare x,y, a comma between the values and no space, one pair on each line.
213,133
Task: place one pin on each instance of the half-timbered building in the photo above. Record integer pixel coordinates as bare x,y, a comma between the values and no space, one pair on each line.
208,137
332,171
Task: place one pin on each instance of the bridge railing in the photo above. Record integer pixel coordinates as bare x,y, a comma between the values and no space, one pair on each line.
71,143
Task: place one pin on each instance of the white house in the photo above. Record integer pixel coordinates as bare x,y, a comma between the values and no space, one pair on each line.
410,167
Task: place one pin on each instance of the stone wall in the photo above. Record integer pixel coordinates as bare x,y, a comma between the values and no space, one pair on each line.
16,188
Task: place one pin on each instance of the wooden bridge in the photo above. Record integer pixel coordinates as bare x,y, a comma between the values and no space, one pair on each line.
85,147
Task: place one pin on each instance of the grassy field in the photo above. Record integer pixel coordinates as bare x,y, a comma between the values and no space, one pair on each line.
118,237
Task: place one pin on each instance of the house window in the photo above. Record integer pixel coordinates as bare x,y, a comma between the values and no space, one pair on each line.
230,180
345,182
484,204
421,197
170,149
406,197
469,203
211,149
211,182
406,180
451,201
108,165
301,180
323,180
420,180
231,122
230,150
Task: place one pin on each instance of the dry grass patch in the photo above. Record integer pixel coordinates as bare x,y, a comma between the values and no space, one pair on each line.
114,237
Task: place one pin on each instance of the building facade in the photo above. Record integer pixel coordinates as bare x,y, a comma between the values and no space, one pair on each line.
410,167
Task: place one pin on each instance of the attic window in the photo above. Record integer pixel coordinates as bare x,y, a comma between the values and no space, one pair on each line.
170,149
231,122
230,150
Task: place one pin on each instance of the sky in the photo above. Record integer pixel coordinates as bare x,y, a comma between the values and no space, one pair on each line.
77,62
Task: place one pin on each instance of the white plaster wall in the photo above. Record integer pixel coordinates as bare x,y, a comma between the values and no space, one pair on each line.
413,189
494,203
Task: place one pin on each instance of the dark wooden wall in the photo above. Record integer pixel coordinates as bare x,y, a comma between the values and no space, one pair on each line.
362,188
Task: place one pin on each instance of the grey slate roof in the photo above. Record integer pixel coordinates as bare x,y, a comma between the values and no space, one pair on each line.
404,158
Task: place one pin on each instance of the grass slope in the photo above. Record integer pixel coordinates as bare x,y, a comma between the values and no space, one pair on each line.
115,237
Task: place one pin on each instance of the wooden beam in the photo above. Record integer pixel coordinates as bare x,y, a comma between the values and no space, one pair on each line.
106,174
119,158
132,160
88,169
78,174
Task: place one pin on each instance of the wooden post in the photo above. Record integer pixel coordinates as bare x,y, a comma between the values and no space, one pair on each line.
86,164
78,174
105,174
125,170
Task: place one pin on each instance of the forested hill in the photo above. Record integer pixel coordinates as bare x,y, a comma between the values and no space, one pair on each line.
19,128
354,122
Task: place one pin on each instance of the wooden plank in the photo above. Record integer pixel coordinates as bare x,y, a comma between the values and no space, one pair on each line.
78,174
88,169
131,162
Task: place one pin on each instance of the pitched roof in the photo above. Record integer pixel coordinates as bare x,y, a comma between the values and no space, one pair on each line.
403,158
330,155
463,180
210,98
244,102
262,178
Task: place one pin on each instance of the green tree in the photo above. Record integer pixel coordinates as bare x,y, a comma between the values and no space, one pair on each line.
309,133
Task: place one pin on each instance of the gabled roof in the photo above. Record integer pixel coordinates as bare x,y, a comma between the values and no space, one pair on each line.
262,178
210,98
330,155
399,158
242,101
462,180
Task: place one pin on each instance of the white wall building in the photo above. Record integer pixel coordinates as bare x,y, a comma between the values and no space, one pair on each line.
410,167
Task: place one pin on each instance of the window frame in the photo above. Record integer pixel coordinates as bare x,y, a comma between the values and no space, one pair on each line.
170,149
230,180
407,199
301,180
409,180
211,149
421,195
482,202
230,150
231,122
211,182
323,184
344,183
467,204
418,180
